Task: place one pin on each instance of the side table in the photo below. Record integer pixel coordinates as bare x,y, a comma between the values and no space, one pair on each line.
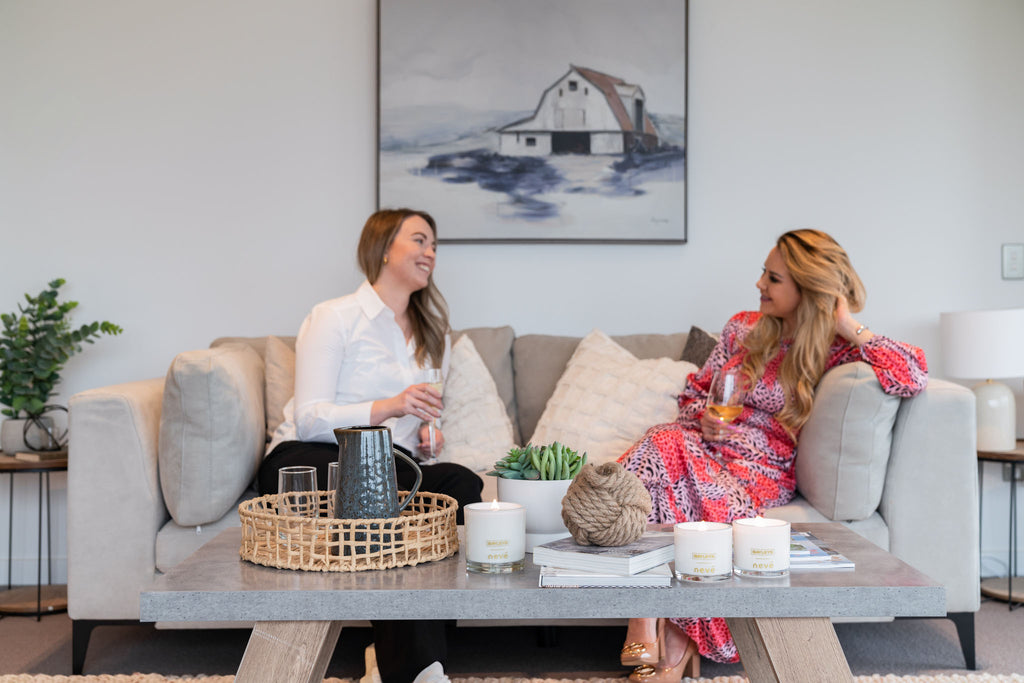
28,601
1002,588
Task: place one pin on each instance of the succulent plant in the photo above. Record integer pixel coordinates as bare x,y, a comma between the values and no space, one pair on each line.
555,461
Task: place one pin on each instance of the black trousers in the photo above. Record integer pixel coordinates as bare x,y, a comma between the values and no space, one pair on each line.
404,648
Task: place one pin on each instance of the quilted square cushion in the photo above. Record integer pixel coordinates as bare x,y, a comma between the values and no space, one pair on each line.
607,398
212,431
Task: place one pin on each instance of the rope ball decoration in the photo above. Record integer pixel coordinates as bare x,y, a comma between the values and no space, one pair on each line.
606,505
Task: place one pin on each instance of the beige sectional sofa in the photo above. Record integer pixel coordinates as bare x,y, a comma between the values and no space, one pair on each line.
185,448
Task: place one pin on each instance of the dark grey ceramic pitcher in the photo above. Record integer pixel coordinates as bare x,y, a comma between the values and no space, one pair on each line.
367,488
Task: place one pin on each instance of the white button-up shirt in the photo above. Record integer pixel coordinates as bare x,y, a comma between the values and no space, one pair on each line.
349,353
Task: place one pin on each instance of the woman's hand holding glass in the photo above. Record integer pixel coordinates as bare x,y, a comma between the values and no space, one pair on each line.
427,447
430,446
421,400
724,404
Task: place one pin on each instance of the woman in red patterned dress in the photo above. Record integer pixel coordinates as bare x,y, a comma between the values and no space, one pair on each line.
698,469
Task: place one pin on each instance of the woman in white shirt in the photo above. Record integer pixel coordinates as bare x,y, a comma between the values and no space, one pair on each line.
356,363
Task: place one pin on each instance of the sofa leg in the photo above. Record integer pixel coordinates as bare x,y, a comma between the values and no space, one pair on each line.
964,622
81,631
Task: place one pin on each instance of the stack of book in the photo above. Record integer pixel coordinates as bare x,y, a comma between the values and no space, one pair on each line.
41,456
567,564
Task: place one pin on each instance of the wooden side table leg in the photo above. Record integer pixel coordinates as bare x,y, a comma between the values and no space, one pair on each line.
794,650
295,651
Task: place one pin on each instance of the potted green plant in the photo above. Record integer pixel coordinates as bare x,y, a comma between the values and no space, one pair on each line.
537,478
35,343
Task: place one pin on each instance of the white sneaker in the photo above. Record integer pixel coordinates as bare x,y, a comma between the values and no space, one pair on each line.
432,674
371,675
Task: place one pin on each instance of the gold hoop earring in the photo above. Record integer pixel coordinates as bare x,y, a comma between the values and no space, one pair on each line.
385,259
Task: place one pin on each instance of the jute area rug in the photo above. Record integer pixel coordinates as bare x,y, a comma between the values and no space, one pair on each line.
157,678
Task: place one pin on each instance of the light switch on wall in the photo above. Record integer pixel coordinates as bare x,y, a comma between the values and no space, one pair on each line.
1013,261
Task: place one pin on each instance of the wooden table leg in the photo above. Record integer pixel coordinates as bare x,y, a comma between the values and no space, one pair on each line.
793,650
295,651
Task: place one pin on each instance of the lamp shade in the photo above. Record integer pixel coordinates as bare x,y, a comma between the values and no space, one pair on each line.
983,344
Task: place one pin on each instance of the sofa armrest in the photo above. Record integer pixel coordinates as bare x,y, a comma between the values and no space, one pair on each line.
115,506
930,501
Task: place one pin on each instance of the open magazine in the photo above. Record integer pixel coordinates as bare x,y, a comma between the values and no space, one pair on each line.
807,551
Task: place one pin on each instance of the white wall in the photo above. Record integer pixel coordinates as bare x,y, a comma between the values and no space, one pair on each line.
198,169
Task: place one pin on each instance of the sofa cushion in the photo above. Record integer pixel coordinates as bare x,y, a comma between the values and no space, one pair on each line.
212,431
539,360
494,344
175,542
607,398
844,447
279,370
699,345
476,427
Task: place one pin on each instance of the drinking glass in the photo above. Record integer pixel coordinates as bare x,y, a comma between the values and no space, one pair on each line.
725,398
298,496
432,376
332,489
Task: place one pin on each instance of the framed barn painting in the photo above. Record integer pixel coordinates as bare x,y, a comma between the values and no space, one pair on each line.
535,120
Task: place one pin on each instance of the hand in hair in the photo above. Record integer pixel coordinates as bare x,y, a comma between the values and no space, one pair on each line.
847,326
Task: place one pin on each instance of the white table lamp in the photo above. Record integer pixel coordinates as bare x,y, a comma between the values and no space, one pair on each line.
987,345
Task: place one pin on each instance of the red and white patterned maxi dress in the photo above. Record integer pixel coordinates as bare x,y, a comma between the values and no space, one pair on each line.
753,469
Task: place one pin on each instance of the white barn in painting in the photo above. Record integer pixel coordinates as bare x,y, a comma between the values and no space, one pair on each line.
583,112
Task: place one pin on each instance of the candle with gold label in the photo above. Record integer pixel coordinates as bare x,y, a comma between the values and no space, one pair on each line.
495,537
760,547
703,551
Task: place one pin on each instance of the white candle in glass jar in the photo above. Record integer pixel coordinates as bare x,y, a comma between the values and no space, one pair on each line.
703,551
760,546
495,537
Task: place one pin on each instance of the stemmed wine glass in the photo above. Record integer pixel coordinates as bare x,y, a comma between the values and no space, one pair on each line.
725,398
432,376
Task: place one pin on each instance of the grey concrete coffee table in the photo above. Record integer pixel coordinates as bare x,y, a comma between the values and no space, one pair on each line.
781,626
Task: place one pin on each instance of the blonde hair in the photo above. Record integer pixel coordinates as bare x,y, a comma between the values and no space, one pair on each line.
822,271
428,311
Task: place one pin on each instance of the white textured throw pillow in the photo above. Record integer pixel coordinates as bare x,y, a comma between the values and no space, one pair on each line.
607,399
477,430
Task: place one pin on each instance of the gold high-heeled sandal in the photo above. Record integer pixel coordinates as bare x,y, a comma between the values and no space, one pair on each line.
638,652
662,672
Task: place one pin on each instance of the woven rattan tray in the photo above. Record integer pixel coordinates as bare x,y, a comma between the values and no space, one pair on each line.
425,531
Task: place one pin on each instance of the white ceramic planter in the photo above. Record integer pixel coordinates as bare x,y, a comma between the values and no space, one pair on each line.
543,503
12,435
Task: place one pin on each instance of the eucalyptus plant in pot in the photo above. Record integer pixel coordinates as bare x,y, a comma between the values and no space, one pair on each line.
537,477
35,343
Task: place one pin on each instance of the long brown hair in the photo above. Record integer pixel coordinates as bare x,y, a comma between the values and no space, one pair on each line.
428,311
822,271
